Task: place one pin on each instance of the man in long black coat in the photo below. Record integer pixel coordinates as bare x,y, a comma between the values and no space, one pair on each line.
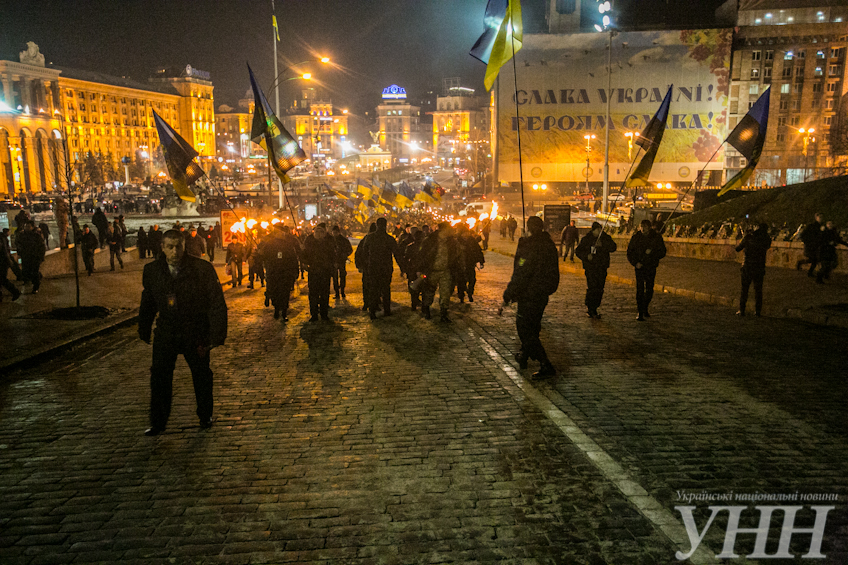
282,267
811,236
319,256
88,243
31,249
594,251
535,277
185,293
644,252
828,258
101,222
378,250
154,240
361,266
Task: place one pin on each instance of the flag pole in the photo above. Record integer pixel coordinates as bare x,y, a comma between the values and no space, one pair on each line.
518,132
623,183
697,177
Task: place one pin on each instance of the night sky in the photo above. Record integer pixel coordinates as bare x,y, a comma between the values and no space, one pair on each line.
373,43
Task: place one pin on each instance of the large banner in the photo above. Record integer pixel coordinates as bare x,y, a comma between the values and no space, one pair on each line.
562,97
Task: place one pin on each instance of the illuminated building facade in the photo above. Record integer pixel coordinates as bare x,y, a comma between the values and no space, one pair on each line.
461,118
799,49
320,130
399,124
102,114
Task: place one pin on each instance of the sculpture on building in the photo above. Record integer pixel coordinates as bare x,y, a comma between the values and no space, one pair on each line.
32,55
375,137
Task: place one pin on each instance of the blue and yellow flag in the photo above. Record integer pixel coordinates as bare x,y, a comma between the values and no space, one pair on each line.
650,140
502,38
364,188
179,157
268,132
748,137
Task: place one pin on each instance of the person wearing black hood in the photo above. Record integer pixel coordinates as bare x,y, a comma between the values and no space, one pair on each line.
755,244
377,252
644,252
594,251
535,277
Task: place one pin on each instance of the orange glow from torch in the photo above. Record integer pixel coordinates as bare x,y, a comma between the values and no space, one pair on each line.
471,222
264,225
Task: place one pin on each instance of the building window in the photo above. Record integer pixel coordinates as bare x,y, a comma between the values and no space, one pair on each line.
818,72
781,137
794,120
837,52
799,72
755,55
827,120
797,87
754,89
769,55
829,103
831,86
833,70
796,105
787,72
819,54
787,56
800,54
781,121
784,103
755,73
80,95
816,103
817,87
767,72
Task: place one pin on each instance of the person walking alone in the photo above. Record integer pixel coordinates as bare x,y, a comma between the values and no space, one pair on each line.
755,244
644,252
89,244
535,277
31,248
594,251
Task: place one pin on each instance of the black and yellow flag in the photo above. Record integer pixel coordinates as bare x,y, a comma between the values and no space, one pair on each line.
268,132
179,157
650,140
748,137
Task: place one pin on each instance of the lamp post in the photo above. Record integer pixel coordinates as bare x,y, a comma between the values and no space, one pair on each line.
588,138
807,133
605,9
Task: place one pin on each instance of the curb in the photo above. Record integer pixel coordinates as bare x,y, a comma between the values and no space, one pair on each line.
46,352
809,316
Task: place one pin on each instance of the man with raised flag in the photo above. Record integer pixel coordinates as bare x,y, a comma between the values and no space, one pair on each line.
650,140
748,137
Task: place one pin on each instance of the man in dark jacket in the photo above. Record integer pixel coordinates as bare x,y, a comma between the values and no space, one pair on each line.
113,240
436,261
644,252
101,222
377,252
154,240
6,263
469,256
319,256
811,236
88,243
282,266
210,238
534,278
195,244
44,229
31,249
827,251
594,251
343,251
568,240
755,244
359,262
410,259
192,319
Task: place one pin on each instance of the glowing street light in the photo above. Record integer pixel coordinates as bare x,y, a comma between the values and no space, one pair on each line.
588,138
807,133
630,135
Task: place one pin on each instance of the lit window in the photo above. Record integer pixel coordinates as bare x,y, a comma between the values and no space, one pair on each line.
787,56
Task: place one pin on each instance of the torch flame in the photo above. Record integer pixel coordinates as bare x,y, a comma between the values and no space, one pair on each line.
264,225
455,221
494,210
471,222
237,227
275,221
484,216
250,223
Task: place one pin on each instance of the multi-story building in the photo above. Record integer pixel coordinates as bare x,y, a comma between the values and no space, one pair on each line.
232,129
95,113
460,119
798,48
318,128
399,124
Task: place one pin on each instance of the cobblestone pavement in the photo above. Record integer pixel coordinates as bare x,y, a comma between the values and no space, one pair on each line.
405,440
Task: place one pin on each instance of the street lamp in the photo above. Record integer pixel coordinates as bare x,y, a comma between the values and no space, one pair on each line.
807,133
588,138
605,24
278,76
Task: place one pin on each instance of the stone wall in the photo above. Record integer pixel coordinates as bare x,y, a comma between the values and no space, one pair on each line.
782,253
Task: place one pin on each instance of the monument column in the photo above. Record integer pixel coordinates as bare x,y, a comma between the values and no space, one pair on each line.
8,93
